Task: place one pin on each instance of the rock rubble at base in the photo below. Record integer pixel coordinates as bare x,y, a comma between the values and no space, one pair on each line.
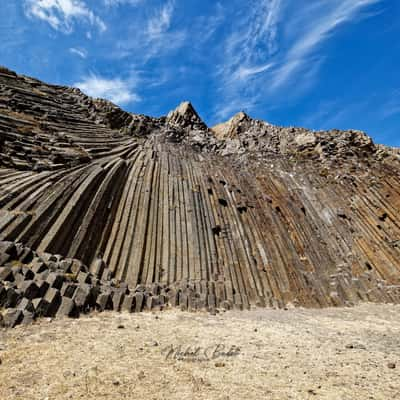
148,213
46,285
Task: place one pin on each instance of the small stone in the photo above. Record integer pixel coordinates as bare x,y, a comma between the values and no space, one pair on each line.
139,298
12,317
43,286
29,289
40,305
104,302
391,365
38,266
6,274
98,267
28,317
219,364
68,289
128,303
55,280
117,300
53,297
84,277
26,305
67,308
8,248
81,297
106,275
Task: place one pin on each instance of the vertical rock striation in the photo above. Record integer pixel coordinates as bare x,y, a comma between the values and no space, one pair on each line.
239,215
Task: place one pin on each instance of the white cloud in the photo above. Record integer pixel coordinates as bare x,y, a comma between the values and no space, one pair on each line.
255,39
247,55
245,72
113,3
155,36
161,21
117,90
276,46
391,107
79,52
61,14
315,33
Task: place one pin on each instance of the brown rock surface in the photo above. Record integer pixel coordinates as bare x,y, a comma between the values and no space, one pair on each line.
244,214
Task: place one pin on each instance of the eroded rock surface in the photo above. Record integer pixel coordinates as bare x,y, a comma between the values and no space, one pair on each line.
242,214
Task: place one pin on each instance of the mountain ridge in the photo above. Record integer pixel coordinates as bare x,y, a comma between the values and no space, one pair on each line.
168,212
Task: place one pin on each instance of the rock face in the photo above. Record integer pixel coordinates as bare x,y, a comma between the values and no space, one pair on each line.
242,214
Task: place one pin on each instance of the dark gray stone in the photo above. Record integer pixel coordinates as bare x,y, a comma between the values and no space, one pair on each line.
8,248
43,275
211,300
172,297
104,302
76,267
28,273
106,276
68,289
26,305
53,297
117,299
55,280
183,301
128,303
4,258
43,286
67,308
40,306
98,268
13,298
155,288
29,289
38,266
139,300
81,297
27,317
65,265
83,277
12,317
140,288
6,274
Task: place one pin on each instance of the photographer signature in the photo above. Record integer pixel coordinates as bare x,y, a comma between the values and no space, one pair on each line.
199,353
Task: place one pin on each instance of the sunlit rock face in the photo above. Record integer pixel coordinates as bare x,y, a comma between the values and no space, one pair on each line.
239,215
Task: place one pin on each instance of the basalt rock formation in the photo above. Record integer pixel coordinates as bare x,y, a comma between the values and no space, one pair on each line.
239,215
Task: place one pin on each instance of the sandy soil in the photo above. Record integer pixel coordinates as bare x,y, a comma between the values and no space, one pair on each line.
274,354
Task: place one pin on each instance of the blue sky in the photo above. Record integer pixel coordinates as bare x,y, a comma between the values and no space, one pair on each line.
315,63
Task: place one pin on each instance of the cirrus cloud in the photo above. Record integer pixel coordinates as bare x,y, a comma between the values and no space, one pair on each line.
117,90
62,14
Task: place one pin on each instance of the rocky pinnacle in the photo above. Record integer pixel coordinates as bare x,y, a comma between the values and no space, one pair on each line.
168,212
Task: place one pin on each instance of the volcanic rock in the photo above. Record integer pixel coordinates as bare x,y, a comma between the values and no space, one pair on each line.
107,208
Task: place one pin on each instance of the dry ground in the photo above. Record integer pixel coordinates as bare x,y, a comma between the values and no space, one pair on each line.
296,354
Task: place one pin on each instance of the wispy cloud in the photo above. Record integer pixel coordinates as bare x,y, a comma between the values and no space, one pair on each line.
117,90
254,40
248,53
155,35
62,14
161,21
113,3
391,107
79,52
327,19
276,47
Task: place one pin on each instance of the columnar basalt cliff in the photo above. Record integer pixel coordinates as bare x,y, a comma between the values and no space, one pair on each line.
141,213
